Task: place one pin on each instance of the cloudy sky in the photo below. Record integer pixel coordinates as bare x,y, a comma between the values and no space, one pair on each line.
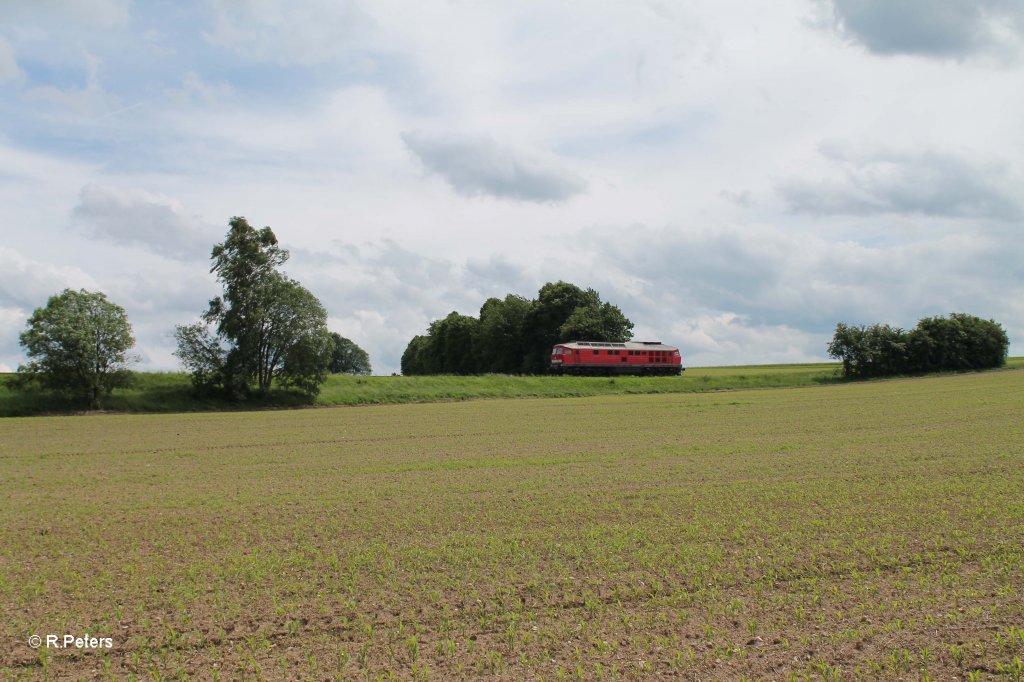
737,176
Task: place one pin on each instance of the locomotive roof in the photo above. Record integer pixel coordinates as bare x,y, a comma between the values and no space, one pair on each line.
629,345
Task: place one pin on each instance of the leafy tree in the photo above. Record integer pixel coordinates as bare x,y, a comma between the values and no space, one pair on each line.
596,322
451,349
347,357
500,334
414,357
265,326
289,337
78,343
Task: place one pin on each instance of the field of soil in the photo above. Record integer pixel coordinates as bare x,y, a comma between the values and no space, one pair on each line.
848,531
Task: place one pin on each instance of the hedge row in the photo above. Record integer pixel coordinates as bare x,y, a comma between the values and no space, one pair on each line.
957,342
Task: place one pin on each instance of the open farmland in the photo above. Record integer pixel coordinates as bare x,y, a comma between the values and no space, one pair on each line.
854,531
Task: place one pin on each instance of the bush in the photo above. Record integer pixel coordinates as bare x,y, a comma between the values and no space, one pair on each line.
959,342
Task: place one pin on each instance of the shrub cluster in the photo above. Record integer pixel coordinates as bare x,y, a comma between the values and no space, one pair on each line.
957,342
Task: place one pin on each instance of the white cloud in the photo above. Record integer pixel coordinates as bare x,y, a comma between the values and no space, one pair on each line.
285,32
27,283
12,323
709,340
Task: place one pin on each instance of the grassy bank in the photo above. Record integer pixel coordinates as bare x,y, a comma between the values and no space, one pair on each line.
171,391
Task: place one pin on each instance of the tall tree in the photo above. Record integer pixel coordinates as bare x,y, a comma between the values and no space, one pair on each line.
347,357
245,263
78,343
266,326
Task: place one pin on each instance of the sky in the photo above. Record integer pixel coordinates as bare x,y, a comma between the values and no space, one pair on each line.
736,176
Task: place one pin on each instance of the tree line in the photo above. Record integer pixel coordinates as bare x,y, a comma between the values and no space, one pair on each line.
514,335
955,343
266,329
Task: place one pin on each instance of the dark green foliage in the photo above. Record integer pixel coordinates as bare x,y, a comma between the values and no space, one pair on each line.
514,335
448,348
291,341
266,326
878,350
77,344
347,357
501,333
959,342
414,358
453,344
597,322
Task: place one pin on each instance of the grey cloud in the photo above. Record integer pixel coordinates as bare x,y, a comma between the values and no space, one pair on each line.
935,28
479,165
136,218
929,184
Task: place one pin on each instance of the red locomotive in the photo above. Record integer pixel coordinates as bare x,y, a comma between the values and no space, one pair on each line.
601,357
